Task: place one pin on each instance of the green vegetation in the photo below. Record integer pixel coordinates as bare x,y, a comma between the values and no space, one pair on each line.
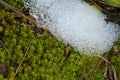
115,3
47,58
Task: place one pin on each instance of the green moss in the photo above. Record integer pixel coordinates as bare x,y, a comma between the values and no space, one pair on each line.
47,58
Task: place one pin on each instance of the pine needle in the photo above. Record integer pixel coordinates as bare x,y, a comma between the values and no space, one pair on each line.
23,57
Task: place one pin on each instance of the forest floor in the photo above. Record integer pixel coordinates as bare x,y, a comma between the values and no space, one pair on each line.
30,54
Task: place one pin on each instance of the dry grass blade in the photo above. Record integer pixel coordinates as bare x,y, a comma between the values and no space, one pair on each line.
114,72
105,73
23,57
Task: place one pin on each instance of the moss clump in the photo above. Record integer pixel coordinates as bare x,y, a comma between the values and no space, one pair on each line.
47,58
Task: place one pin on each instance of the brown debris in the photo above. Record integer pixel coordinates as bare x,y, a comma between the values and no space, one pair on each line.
3,69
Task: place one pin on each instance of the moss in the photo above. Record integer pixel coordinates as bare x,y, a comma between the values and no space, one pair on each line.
47,58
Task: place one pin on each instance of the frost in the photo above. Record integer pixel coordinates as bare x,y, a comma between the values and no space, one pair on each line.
76,23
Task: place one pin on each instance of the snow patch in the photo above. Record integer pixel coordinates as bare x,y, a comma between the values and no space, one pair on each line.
76,23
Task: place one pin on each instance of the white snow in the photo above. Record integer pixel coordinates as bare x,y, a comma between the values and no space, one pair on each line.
76,23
